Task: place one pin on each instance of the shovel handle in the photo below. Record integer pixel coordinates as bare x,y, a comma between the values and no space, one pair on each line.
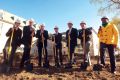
84,47
10,47
43,48
69,46
54,47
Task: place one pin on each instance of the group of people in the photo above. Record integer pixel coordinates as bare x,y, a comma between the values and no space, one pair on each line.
107,34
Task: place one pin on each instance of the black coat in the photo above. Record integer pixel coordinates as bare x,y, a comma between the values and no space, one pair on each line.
73,36
39,36
16,40
88,32
58,39
26,39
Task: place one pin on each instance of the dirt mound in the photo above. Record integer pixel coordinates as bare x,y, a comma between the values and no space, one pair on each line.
54,73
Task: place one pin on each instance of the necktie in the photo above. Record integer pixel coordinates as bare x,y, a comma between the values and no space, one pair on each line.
69,32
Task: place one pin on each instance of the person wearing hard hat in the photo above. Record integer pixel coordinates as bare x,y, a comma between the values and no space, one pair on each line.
108,35
28,34
42,36
12,43
57,39
85,36
71,38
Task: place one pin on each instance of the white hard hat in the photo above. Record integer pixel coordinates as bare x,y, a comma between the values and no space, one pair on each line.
82,22
31,20
18,21
55,27
104,17
43,24
70,22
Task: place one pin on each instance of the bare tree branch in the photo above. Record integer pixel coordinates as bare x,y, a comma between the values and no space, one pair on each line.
116,1
107,5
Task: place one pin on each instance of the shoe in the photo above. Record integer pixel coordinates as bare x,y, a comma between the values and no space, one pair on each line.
58,66
84,66
55,64
68,66
103,65
21,66
97,67
61,63
46,65
39,65
113,72
8,69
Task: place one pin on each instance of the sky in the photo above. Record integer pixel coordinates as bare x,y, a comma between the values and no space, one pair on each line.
56,12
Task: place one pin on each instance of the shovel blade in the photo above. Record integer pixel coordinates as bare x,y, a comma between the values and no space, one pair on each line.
97,67
84,66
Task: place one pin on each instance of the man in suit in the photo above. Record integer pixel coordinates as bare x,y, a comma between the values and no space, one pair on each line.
13,42
108,36
42,36
85,37
57,39
71,37
28,33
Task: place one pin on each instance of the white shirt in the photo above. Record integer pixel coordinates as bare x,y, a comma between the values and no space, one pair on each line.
56,33
41,32
70,30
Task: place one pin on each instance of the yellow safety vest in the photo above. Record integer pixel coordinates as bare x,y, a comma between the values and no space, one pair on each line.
109,34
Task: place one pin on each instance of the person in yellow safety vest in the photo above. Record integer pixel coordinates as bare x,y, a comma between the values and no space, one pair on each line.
108,35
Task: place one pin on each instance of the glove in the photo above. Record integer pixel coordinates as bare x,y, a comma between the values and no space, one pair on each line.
115,46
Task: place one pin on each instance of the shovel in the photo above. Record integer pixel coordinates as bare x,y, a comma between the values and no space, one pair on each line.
69,65
45,63
98,66
54,50
84,64
28,64
9,53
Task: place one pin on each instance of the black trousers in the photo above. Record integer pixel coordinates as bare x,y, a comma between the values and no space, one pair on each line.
26,56
58,55
40,47
10,57
12,54
72,49
111,52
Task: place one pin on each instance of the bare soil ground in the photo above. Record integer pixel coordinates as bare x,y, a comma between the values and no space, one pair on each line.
54,73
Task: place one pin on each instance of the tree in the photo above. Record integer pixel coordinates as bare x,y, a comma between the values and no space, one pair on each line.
107,6
116,21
